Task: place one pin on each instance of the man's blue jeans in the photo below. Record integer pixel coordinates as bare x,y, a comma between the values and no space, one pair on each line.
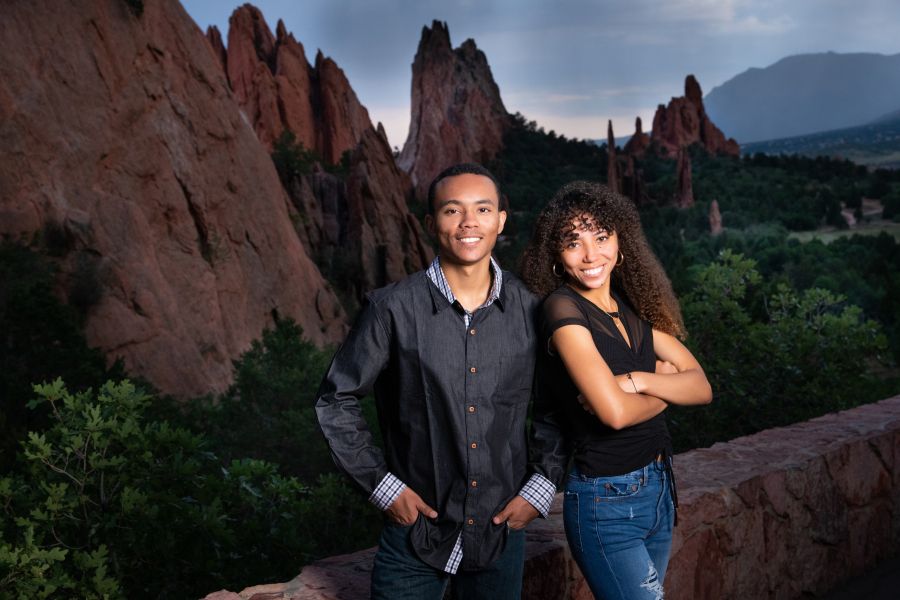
620,531
398,573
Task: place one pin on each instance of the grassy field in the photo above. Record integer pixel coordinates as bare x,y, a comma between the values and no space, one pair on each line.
829,234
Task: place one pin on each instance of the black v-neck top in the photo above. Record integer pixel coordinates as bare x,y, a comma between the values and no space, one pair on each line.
600,450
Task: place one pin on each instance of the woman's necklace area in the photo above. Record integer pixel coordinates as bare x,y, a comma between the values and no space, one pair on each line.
612,314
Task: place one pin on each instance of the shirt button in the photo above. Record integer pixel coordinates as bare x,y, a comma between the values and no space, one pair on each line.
474,445
471,409
471,521
472,369
474,483
472,331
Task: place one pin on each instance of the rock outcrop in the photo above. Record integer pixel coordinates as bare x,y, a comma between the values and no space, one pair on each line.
639,142
715,218
633,182
278,89
612,167
357,227
122,130
684,187
457,112
684,122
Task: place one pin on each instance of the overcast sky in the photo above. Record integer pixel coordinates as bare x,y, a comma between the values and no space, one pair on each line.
572,64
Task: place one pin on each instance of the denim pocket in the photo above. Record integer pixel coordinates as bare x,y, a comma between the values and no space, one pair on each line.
572,520
616,488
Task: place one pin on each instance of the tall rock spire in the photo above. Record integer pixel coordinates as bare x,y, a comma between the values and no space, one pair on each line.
457,113
612,168
639,142
684,193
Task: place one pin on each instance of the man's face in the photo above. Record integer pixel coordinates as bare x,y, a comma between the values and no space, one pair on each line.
467,218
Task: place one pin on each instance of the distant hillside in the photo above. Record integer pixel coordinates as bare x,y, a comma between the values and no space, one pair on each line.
876,144
804,94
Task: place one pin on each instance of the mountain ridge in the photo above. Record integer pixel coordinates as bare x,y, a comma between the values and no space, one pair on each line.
806,93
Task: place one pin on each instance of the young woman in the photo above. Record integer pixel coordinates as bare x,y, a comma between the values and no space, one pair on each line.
612,363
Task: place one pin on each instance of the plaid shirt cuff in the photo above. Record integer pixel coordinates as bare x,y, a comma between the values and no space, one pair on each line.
539,492
455,557
387,491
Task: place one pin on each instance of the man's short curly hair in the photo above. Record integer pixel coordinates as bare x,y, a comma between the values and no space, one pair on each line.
640,276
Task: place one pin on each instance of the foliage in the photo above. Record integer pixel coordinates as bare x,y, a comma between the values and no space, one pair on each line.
41,339
531,167
268,413
111,502
292,159
774,356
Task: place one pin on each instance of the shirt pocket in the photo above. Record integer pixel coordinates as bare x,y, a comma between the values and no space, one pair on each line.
514,382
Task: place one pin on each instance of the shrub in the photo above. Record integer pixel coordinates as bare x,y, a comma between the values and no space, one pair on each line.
797,356
110,502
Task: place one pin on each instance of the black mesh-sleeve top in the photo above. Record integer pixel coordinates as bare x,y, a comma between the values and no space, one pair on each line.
600,450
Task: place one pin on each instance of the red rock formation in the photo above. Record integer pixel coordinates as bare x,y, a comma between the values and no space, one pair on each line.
639,142
386,238
684,122
124,131
218,46
278,89
633,182
684,192
612,169
457,113
715,218
360,230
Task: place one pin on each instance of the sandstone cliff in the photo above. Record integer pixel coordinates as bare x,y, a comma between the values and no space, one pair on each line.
684,122
457,113
278,89
612,166
123,131
358,227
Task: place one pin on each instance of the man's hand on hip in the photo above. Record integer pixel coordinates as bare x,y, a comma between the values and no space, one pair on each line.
517,513
406,508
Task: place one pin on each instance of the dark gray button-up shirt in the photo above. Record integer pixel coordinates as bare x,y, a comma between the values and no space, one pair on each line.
451,402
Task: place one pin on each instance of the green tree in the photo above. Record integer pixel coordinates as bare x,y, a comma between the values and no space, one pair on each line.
804,354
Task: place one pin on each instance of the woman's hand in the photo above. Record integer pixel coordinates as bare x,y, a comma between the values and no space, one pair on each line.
664,367
626,384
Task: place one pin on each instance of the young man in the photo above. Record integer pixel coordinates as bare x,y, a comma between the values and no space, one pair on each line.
450,354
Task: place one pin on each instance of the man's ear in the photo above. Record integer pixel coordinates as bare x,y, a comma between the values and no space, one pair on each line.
502,214
429,225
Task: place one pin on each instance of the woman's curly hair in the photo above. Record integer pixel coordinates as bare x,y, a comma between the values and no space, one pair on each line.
640,276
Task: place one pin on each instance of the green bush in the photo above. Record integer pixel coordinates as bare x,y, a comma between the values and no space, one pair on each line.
110,502
773,357
291,158
41,339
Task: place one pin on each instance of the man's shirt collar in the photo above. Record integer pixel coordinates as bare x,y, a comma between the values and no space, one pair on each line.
436,275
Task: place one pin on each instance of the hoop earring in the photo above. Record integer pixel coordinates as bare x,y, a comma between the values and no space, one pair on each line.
621,258
560,275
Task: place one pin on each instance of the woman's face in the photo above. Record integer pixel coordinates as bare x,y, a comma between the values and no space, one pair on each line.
589,252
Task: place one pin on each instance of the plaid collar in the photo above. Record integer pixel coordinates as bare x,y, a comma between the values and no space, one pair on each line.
436,275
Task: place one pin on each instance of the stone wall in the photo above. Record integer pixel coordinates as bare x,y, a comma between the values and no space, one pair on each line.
784,513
